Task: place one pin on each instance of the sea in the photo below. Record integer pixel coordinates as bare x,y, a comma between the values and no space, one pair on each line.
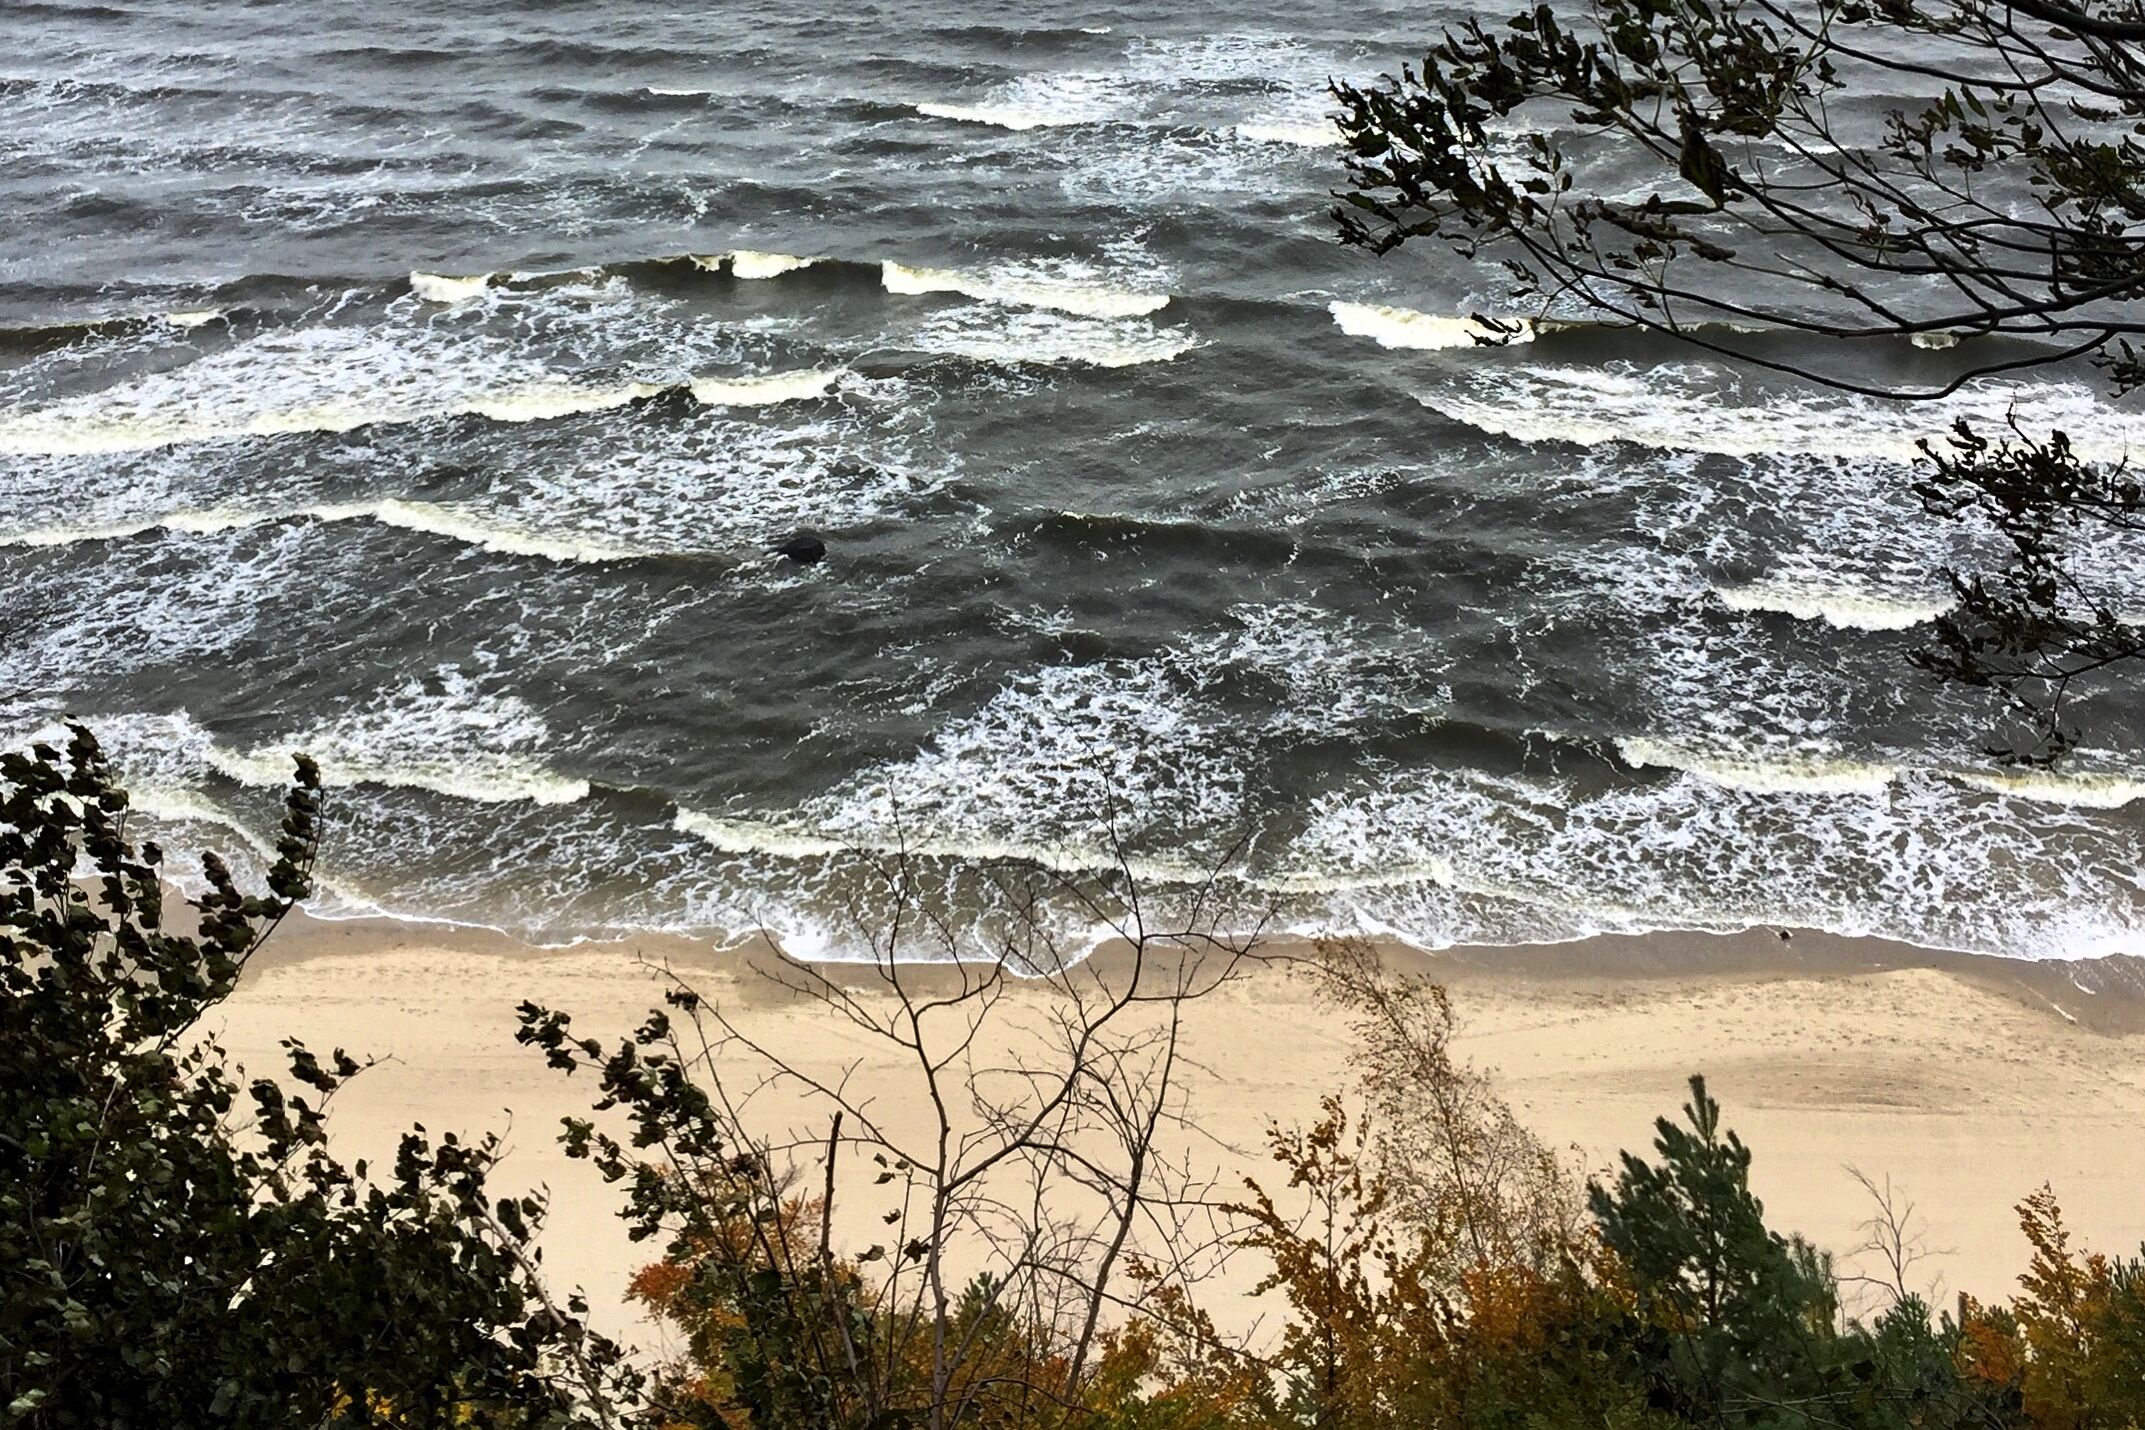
425,387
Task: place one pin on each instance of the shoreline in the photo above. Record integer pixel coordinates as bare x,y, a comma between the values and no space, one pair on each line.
2105,993
1968,1080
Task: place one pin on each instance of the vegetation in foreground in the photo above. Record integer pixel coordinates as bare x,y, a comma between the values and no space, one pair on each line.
1738,176
178,1249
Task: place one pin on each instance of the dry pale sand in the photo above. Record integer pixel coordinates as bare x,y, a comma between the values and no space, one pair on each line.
1967,1082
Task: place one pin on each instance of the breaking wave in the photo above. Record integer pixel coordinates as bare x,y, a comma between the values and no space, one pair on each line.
1848,607
1700,408
161,413
441,288
442,732
2085,788
734,835
1042,101
1406,328
1315,135
1023,289
457,523
752,264
1481,858
758,390
2078,784
1786,773
998,116
624,490
1011,338
79,428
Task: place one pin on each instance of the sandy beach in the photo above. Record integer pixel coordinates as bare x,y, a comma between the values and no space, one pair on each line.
1967,1082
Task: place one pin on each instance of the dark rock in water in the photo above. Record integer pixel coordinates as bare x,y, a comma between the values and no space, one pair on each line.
804,548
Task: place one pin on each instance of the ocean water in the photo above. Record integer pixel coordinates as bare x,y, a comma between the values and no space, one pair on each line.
421,387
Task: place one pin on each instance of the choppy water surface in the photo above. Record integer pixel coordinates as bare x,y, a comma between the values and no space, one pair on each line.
422,388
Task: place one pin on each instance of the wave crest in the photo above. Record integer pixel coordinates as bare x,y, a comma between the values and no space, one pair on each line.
1011,338
1795,773
763,389
445,288
1697,407
751,263
1802,772
1317,134
1848,607
1406,328
1021,290
997,116
2087,789
459,524
82,427
87,426
443,733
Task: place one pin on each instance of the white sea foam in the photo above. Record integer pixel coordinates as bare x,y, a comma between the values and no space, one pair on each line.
1849,607
764,388
1315,134
785,841
444,288
467,525
1701,408
750,263
1447,856
179,805
754,836
1781,772
2085,788
544,401
998,116
722,482
2083,784
1059,764
487,779
191,611
676,91
714,484
1336,671
1406,328
158,759
1042,101
1268,60
193,318
1023,288
1011,337
202,522
78,427
328,379
407,362
747,263
1075,768
442,733
478,529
